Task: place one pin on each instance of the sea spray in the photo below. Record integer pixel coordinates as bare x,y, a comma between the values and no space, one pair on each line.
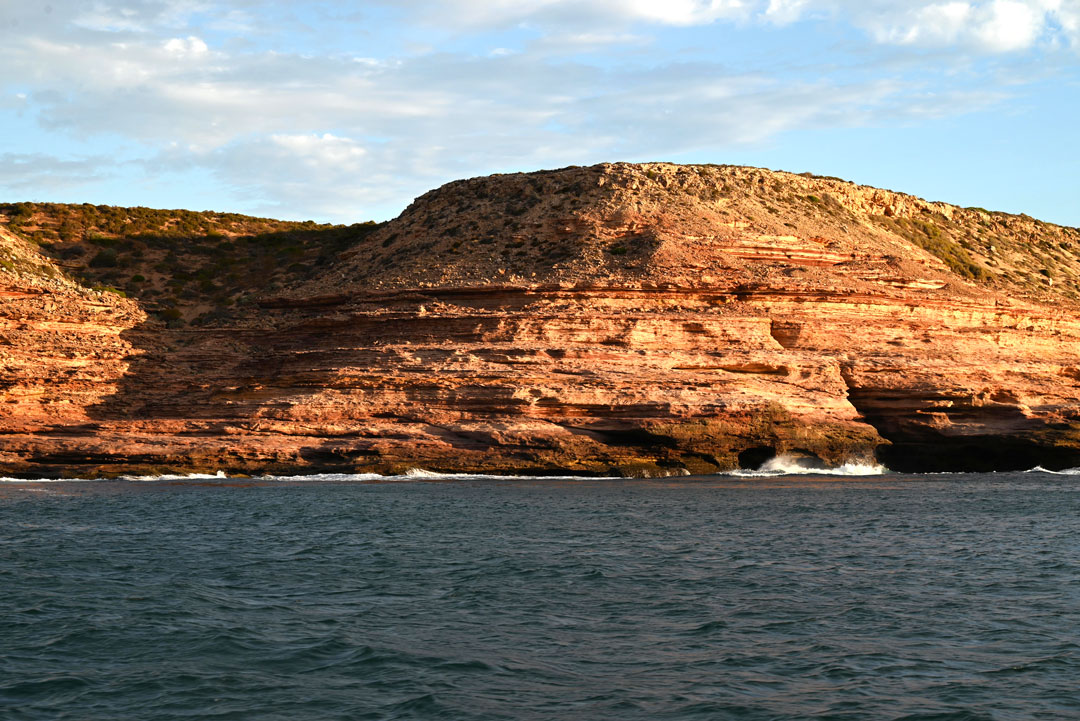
801,466
1063,472
219,475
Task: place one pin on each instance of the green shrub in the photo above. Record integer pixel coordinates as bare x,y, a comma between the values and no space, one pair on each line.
103,240
70,231
104,259
928,236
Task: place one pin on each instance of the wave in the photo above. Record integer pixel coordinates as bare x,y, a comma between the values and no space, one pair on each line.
219,475
177,477
793,466
413,475
780,466
332,477
5,479
419,474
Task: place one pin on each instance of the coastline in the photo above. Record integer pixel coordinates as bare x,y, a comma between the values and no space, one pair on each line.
616,320
786,469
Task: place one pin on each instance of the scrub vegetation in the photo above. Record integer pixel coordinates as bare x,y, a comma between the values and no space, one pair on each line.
186,267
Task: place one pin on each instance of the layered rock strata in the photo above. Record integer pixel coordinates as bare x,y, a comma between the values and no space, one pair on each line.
619,319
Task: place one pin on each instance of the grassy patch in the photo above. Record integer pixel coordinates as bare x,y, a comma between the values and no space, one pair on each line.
927,235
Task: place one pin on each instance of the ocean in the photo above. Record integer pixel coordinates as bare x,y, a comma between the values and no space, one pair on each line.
762,596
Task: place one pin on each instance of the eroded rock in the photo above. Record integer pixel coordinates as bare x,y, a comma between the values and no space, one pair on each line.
619,320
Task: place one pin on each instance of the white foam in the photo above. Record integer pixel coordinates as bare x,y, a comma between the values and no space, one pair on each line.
45,480
791,466
413,475
419,474
779,466
177,477
1063,472
220,475
335,477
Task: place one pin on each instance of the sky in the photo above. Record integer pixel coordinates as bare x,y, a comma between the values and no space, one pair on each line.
343,112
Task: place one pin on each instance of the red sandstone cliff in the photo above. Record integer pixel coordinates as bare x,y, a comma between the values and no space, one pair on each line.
627,319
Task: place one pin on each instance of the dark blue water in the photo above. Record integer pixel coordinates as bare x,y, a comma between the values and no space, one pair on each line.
953,597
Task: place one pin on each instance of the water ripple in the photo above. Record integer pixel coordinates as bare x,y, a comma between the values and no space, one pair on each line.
887,598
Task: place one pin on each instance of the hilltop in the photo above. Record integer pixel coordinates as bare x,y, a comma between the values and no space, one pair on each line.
659,222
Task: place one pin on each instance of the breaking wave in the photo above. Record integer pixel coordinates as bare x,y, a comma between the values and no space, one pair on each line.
419,474
219,475
333,477
779,466
414,474
1064,472
177,477
792,466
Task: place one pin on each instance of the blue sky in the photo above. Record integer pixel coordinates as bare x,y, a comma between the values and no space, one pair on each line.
346,111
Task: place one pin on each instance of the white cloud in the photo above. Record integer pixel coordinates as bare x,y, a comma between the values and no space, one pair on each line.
1010,25
992,26
999,26
299,132
786,11
681,12
574,13
934,24
102,18
185,47
985,25
1068,15
452,117
322,152
34,172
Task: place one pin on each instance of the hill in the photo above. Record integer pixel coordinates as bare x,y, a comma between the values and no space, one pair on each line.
661,223
617,319
185,266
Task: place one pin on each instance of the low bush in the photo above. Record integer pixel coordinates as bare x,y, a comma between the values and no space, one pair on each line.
104,259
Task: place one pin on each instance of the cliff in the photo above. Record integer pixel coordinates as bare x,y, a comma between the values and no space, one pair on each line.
617,319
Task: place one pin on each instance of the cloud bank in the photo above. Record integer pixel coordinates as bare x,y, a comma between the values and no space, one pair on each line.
324,110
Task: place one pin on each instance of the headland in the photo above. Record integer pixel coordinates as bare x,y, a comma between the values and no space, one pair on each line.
620,319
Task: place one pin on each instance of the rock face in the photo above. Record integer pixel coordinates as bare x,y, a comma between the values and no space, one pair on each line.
618,319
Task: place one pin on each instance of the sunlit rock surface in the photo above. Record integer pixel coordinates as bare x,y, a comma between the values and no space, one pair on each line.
635,320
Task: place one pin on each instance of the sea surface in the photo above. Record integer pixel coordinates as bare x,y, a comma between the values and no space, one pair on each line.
334,597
